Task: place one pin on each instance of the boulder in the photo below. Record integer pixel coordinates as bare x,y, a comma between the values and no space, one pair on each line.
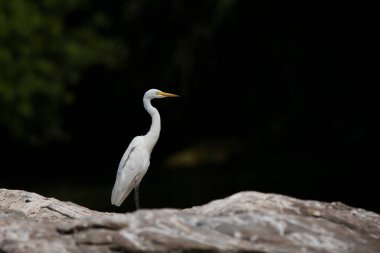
243,222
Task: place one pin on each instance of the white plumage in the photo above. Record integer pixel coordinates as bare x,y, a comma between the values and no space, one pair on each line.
136,159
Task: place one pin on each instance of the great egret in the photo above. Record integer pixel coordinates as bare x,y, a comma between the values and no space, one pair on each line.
136,159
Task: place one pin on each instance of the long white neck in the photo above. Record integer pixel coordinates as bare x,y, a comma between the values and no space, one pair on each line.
154,132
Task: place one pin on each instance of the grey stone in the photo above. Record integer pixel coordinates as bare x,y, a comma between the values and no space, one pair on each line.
243,222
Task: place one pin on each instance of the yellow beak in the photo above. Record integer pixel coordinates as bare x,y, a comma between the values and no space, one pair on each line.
165,94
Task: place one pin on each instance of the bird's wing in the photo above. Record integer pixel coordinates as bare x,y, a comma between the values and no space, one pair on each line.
126,173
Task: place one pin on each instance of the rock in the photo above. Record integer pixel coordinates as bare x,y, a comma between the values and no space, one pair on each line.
244,222
41,208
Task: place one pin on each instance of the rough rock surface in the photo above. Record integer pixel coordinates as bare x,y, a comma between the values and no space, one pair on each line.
41,208
244,222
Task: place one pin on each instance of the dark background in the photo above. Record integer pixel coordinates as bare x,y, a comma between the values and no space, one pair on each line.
274,98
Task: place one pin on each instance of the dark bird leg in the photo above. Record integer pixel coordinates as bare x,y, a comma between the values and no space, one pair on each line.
137,199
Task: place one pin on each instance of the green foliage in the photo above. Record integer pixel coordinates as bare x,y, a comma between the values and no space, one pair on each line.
45,46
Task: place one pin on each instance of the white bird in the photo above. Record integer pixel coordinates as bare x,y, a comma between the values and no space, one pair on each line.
136,159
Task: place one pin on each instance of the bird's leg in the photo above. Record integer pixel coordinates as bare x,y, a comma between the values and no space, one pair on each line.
137,199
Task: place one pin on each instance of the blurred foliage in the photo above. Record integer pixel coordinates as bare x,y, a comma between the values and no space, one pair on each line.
45,45
272,98
48,47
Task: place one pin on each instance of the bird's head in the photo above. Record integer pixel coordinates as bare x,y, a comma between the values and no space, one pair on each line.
154,93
